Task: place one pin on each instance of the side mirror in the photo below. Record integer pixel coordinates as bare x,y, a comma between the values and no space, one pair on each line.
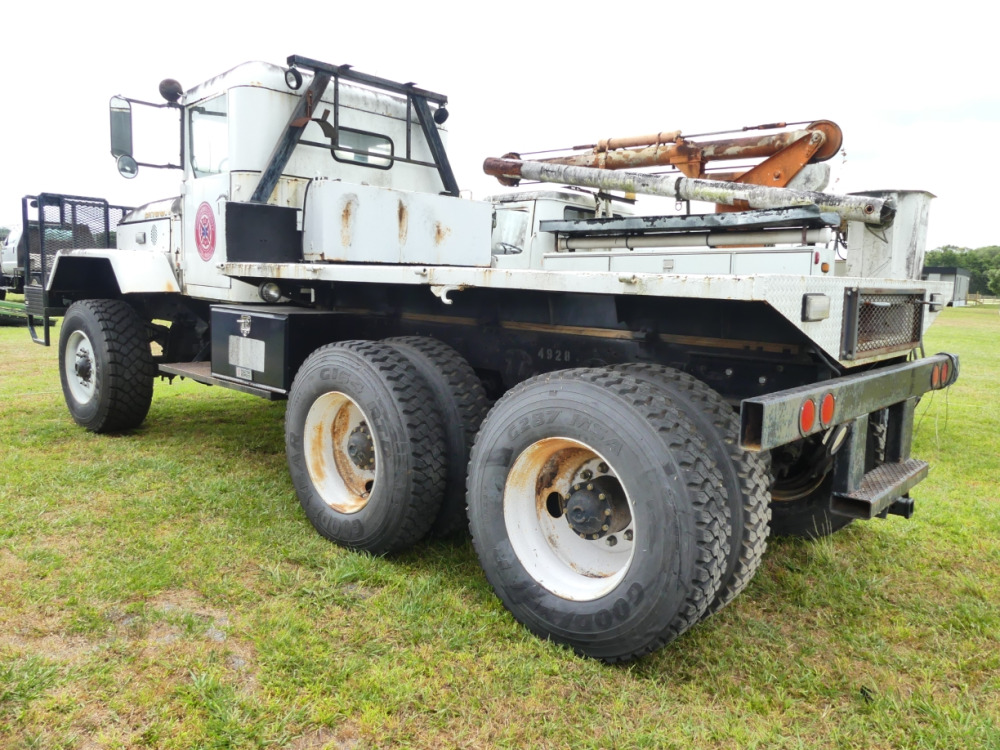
127,166
121,129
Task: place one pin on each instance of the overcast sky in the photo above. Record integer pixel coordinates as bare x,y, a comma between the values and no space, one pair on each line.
913,85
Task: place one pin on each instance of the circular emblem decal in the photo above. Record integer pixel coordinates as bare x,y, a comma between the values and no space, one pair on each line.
204,231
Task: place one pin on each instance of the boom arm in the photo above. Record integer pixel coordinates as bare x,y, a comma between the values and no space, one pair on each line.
783,154
870,210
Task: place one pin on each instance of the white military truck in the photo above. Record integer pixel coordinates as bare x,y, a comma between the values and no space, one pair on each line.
12,263
669,389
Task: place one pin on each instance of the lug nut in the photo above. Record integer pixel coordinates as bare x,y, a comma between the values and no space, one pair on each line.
602,467
586,474
612,541
628,535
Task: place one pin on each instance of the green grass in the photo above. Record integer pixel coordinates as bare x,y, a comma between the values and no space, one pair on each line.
163,589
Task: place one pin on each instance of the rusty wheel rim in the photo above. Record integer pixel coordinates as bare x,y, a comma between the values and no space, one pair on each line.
569,519
330,441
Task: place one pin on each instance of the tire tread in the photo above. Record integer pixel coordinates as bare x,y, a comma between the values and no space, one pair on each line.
424,434
751,526
459,386
702,479
129,367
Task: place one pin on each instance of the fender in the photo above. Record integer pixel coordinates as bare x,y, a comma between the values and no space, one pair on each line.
110,271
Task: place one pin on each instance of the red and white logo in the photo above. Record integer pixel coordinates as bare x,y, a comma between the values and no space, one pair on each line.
204,231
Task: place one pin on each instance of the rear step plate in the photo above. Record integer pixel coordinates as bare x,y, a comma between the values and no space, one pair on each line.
879,489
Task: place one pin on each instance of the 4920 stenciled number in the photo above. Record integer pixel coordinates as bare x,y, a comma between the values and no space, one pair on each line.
554,355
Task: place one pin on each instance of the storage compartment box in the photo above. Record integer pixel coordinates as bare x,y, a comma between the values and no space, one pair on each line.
350,223
267,345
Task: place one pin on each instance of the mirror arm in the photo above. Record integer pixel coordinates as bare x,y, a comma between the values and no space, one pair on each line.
163,105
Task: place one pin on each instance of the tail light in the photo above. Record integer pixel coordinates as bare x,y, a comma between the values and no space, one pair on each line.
807,416
826,409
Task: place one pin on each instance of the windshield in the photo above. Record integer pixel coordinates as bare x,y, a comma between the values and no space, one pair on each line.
209,136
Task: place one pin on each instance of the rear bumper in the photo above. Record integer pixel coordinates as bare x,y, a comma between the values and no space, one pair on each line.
863,486
770,421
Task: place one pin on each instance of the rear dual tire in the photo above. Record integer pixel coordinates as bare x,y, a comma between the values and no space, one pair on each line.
533,517
745,474
461,401
365,446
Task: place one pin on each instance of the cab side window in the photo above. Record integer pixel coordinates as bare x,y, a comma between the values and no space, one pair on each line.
208,128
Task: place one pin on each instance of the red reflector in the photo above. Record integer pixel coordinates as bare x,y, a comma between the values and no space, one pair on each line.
945,372
826,409
807,416
816,258
936,377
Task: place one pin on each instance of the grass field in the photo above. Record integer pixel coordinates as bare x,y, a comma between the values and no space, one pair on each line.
163,589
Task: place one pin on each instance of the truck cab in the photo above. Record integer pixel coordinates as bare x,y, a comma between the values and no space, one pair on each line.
229,125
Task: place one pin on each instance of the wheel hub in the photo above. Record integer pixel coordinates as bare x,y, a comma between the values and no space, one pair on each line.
597,508
83,367
361,447
555,516
340,452
80,372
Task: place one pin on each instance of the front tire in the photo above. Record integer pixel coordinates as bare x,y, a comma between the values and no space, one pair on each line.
365,447
105,365
596,514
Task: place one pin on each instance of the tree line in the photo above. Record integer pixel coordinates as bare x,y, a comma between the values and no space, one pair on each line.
983,263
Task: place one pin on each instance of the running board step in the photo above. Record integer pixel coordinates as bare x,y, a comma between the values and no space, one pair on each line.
201,372
880,490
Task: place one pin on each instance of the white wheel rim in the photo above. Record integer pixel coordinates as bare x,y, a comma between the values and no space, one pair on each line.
331,453
80,366
549,548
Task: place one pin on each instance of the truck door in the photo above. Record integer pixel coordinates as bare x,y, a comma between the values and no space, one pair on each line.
205,196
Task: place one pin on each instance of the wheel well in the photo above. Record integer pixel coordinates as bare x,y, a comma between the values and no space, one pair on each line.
83,278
